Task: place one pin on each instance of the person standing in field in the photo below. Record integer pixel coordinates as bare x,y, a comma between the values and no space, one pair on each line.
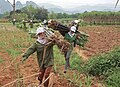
24,24
31,23
71,38
14,20
45,57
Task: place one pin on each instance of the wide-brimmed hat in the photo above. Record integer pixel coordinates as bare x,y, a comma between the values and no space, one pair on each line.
73,28
40,30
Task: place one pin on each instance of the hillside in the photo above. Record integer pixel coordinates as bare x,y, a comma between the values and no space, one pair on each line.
5,6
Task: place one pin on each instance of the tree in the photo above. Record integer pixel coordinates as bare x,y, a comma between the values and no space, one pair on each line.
13,5
35,13
41,14
20,16
29,10
6,15
52,15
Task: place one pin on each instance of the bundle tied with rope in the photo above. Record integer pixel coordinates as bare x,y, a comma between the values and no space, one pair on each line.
62,44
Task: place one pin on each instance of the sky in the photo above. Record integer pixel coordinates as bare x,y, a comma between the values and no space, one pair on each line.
70,3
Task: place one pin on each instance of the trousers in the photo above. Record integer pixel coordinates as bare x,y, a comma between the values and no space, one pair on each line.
67,59
44,72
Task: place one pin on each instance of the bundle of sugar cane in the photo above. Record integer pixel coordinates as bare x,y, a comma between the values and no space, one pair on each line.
62,44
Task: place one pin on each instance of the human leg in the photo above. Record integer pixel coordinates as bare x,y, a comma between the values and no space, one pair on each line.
66,64
41,74
67,58
47,73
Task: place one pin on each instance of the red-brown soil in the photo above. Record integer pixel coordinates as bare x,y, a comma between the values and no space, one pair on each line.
102,39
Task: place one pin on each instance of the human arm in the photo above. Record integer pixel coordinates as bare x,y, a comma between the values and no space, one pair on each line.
29,51
69,38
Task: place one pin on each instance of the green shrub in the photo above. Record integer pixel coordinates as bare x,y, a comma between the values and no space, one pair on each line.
113,80
19,25
104,64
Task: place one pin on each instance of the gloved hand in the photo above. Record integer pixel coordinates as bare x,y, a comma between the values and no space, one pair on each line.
23,59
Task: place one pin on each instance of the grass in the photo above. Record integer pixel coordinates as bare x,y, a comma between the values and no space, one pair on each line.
14,53
1,59
14,39
59,57
76,62
2,44
5,24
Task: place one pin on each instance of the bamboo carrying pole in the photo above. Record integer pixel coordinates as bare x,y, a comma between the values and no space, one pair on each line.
44,55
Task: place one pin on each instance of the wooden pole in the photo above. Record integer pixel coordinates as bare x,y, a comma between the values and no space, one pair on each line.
116,3
13,6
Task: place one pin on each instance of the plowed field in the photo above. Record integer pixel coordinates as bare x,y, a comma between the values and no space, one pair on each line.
102,39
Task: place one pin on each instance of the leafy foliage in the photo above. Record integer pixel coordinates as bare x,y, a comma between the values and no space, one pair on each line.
114,79
106,66
103,65
83,38
29,10
41,14
76,62
20,16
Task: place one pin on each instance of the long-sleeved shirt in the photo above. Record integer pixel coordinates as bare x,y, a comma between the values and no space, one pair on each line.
39,48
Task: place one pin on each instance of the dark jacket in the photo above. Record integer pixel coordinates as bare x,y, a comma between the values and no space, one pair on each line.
39,48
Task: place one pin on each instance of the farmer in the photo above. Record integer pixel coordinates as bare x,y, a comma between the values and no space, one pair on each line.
45,56
24,23
14,20
31,23
81,36
75,23
71,38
